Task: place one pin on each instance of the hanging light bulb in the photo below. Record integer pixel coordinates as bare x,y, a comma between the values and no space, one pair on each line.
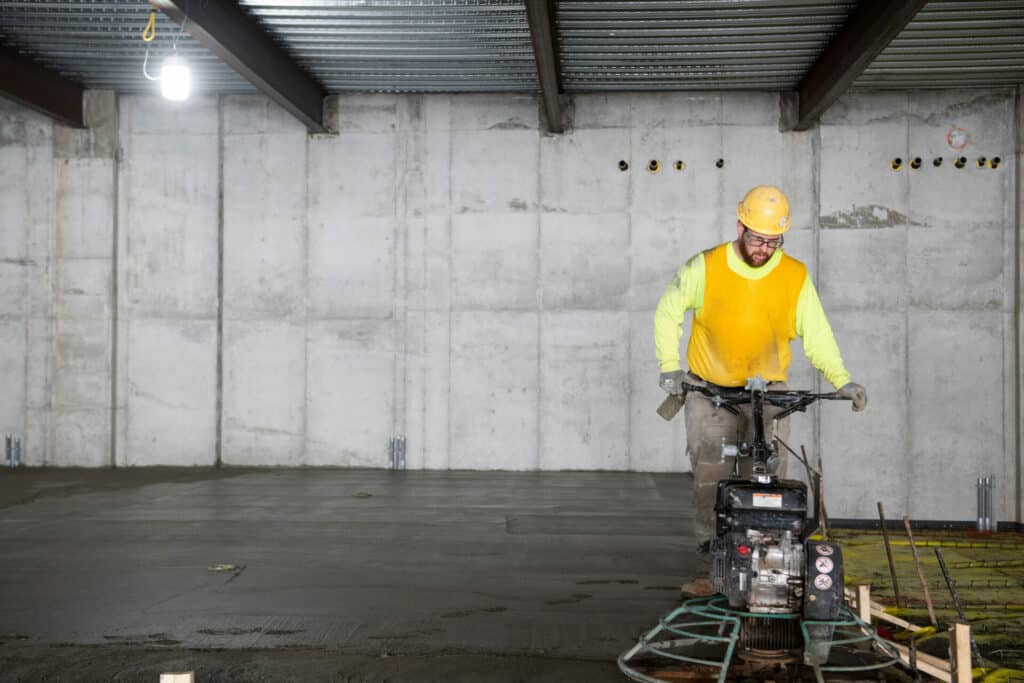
175,78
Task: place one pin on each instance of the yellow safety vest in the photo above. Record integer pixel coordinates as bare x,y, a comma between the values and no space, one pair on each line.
751,304
745,326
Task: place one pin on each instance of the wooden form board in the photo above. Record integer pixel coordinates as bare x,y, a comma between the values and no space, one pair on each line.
957,670
186,677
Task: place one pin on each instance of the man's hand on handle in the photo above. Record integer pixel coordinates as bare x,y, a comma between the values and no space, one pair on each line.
855,393
671,382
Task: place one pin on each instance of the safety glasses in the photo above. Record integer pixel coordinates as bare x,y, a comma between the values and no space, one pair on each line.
756,241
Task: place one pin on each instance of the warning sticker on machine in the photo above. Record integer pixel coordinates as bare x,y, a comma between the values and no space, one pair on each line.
767,500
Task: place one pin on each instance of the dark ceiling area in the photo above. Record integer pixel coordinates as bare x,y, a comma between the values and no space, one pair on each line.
299,51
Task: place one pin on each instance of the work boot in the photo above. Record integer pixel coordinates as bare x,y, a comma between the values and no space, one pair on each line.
697,588
703,557
701,587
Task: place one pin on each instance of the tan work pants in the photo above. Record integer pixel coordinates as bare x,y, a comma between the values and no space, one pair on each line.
705,427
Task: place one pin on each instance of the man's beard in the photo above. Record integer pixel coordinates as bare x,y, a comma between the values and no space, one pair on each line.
748,258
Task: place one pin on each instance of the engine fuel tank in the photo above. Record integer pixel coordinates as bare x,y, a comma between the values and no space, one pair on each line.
741,505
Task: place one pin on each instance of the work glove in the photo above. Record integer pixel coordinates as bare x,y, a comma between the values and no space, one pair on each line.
855,393
671,382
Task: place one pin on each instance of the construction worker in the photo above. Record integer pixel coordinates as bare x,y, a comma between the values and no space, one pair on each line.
750,300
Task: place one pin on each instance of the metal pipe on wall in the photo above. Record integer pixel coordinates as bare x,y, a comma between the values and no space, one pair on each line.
990,508
12,450
396,453
980,498
986,506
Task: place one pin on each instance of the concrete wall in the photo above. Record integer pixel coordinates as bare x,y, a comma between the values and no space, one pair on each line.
444,270
27,210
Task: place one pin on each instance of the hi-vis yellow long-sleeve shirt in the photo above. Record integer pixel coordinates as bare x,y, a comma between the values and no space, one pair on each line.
744,319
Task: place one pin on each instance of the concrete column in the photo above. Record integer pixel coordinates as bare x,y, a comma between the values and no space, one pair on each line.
85,178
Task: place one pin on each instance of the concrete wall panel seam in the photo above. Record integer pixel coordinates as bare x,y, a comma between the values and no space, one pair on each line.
627,155
1005,503
910,471
304,454
114,280
816,226
400,244
448,289
50,313
218,404
25,308
539,299
1018,333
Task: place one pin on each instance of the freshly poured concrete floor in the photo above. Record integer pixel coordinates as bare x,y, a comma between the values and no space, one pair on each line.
560,565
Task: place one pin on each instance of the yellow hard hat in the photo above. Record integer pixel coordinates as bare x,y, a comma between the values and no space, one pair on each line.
765,209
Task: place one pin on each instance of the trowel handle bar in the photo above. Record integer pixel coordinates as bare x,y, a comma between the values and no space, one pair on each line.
788,399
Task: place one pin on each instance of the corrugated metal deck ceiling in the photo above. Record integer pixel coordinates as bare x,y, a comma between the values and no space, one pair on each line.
485,45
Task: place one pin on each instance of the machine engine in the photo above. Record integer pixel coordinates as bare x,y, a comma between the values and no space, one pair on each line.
760,572
762,563
758,555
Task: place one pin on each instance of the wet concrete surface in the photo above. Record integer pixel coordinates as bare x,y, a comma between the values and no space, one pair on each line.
84,664
348,563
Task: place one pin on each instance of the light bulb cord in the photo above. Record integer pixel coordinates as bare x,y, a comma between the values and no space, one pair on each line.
145,73
149,32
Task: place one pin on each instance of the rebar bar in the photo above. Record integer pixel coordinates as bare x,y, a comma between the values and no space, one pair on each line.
822,514
987,564
920,572
956,601
913,603
888,553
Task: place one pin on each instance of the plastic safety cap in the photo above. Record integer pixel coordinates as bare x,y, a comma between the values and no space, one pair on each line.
765,210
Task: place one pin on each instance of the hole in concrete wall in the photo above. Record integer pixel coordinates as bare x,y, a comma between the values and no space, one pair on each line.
915,163
679,165
653,166
896,164
994,162
936,162
623,166
981,162
720,163
960,162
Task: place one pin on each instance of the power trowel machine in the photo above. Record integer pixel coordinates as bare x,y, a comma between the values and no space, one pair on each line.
779,594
